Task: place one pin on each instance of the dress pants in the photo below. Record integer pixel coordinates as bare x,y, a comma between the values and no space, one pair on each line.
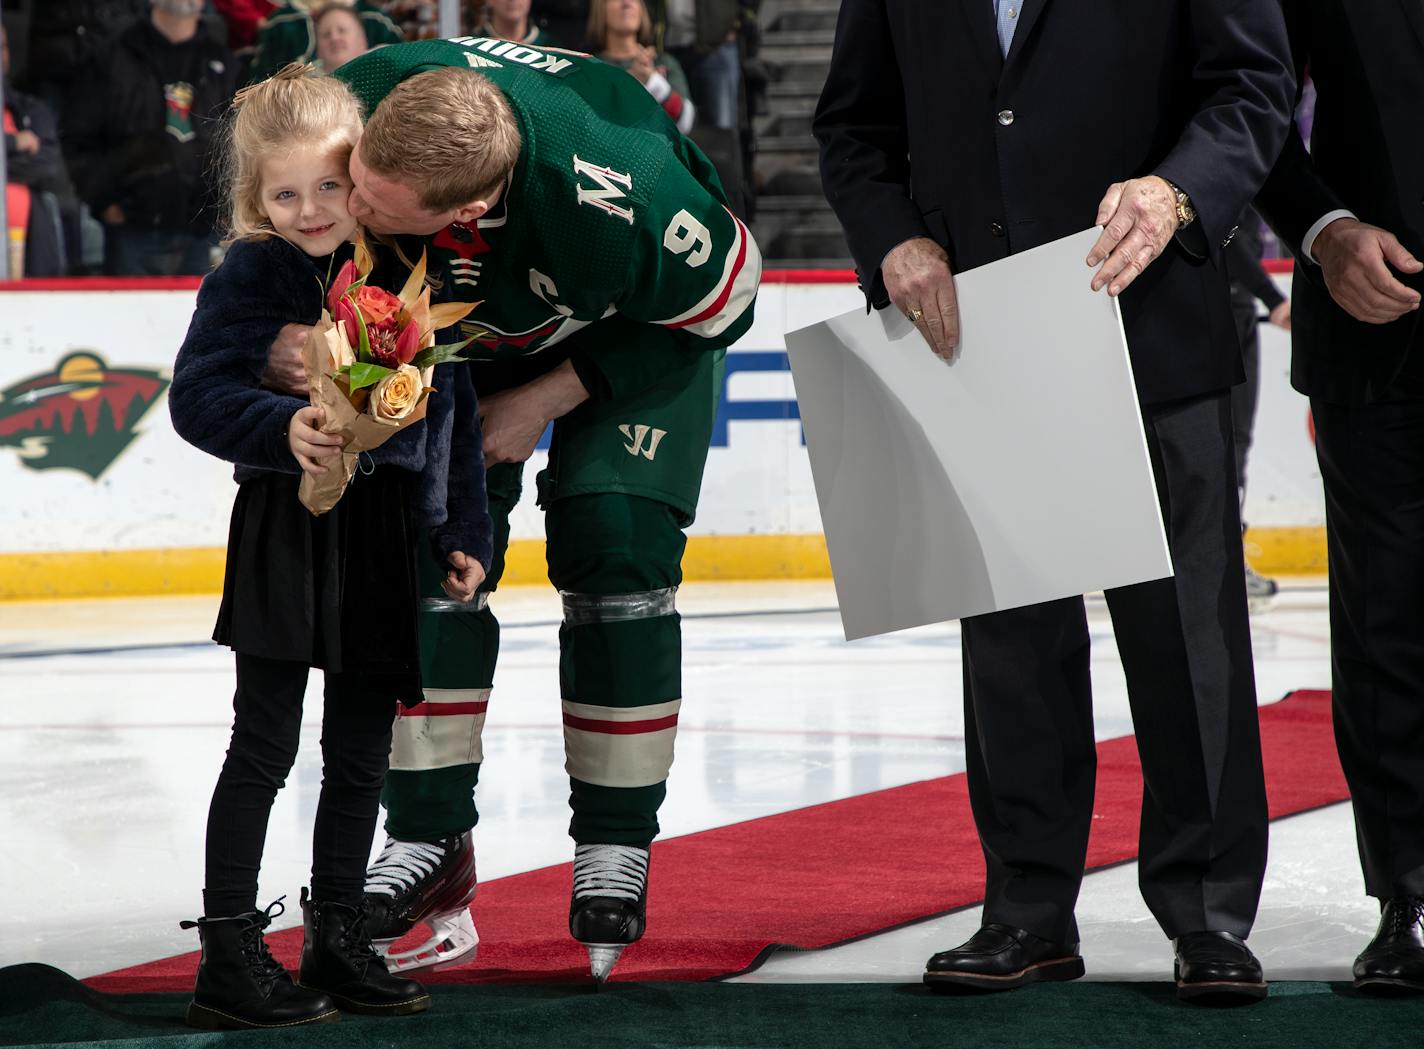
1372,462
1186,649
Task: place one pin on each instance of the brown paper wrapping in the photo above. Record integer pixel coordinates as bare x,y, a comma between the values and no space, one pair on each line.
324,353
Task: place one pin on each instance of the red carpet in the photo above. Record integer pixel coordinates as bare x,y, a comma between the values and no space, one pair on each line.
792,884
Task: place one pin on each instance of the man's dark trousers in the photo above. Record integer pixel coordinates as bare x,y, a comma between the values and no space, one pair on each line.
1186,649
1372,462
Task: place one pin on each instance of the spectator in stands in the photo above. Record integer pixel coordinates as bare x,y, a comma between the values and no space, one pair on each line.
138,135
340,35
38,192
621,33
509,20
244,18
702,36
290,36
416,19
66,36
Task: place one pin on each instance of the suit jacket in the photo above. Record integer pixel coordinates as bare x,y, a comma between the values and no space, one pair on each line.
926,130
1366,58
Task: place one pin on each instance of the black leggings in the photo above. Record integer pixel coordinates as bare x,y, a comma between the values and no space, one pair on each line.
355,750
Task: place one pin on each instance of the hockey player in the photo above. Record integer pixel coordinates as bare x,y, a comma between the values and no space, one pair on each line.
611,276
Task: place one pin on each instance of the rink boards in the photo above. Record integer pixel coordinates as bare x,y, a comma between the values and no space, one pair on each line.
101,496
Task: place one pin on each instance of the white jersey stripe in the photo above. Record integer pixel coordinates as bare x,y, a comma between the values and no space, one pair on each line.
652,712
605,760
437,740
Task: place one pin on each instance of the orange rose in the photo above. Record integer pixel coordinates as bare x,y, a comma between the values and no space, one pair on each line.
376,304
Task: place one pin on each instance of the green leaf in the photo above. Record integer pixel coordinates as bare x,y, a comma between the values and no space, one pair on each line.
443,354
363,344
363,375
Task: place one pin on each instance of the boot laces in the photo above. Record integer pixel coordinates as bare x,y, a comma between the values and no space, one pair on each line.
354,940
250,941
401,864
616,871
254,946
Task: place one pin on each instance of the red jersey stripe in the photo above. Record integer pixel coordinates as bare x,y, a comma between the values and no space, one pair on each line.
621,728
436,710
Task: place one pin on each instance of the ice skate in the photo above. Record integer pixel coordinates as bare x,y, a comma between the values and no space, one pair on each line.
1260,590
608,909
430,883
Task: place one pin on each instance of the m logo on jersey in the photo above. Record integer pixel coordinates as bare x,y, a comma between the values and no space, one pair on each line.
607,192
636,435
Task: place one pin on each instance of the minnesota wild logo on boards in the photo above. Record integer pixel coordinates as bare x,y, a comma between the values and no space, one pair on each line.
81,416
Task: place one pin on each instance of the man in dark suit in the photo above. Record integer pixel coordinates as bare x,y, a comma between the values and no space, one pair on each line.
957,132
1352,210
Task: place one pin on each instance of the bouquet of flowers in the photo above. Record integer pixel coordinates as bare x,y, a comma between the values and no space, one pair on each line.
369,362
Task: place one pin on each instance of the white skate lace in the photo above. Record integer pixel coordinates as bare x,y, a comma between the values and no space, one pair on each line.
401,864
617,871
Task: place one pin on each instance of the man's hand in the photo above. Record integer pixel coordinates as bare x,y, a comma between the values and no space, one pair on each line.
1280,316
1138,217
464,577
284,371
917,278
27,142
315,451
1355,258
514,420
113,215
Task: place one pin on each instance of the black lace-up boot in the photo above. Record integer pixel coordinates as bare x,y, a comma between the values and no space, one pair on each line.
241,985
338,958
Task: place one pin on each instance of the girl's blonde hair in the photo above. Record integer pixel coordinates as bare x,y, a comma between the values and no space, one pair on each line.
293,109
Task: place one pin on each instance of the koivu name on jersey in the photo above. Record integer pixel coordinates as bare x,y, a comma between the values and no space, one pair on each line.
511,51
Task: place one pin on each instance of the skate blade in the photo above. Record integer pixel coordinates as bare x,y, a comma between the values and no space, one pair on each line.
602,957
452,942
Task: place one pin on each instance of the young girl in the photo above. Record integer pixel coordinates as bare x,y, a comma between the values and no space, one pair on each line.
338,592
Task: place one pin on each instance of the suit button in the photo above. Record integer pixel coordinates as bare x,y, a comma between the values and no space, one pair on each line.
996,229
1006,117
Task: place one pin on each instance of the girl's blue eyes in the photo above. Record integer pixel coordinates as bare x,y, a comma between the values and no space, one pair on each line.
329,184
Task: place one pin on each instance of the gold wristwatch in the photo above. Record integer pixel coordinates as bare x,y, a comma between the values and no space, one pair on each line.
1186,214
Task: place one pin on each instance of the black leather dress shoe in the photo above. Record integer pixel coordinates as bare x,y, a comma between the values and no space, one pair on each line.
1393,963
1001,958
1217,967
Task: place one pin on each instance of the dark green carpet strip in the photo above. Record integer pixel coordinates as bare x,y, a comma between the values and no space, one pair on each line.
42,1006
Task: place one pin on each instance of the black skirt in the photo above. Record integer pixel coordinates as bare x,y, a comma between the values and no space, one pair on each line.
338,592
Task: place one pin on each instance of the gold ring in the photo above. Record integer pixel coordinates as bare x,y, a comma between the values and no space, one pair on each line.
915,314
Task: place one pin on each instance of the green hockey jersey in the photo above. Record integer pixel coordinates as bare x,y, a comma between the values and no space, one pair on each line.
613,232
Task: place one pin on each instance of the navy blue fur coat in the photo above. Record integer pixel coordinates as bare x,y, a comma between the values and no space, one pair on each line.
218,402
